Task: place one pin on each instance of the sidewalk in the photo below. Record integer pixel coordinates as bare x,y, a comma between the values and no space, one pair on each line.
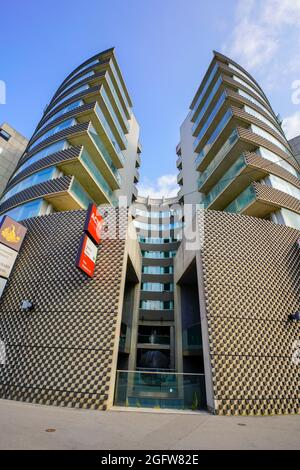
23,426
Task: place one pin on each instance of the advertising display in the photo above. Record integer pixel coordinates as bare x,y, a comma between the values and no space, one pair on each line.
12,233
7,260
87,254
93,223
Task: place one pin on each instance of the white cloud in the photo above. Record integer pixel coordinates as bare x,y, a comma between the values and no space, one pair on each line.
291,125
260,29
164,186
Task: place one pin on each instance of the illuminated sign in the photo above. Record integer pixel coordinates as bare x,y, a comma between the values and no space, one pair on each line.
93,223
12,233
7,260
87,255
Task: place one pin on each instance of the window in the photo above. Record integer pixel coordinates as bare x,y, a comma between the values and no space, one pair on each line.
157,287
262,118
25,211
157,270
63,125
287,217
5,135
69,95
36,178
82,77
156,305
206,85
56,147
272,157
282,185
210,119
63,111
269,137
158,254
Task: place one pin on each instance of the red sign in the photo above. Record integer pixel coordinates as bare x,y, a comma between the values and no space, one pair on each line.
87,254
93,223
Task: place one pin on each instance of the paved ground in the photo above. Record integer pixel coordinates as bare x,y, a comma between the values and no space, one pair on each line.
23,426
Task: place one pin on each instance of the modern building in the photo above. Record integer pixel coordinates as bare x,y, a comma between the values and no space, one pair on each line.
243,280
295,146
85,148
233,151
12,146
187,308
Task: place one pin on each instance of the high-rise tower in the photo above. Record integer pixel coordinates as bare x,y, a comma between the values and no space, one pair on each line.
85,148
234,156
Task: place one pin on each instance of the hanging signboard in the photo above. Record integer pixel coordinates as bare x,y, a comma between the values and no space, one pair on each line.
12,233
7,260
93,223
87,254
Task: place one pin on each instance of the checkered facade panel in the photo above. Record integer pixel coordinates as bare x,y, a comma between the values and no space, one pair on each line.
61,353
251,285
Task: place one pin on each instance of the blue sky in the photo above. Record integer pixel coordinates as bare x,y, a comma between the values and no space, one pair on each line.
163,48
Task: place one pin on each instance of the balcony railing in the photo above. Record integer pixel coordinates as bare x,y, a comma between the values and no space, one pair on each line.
160,390
153,339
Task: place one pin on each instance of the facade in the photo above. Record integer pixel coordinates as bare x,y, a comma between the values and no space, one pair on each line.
84,149
233,143
187,308
12,146
243,279
295,146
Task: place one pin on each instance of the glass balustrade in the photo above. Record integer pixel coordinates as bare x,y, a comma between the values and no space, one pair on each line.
218,158
109,132
160,390
80,194
223,122
205,88
96,173
153,339
207,103
210,119
103,150
192,338
226,179
242,201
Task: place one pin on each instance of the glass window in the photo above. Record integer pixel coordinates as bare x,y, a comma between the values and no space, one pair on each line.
113,115
96,173
282,185
265,153
69,95
239,80
214,136
207,103
287,217
36,178
56,147
262,118
63,111
82,77
25,211
156,305
206,85
158,254
63,125
116,75
157,270
254,101
269,137
233,67
210,119
5,135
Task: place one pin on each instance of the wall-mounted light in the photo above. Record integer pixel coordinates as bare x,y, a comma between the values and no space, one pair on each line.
27,306
295,316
